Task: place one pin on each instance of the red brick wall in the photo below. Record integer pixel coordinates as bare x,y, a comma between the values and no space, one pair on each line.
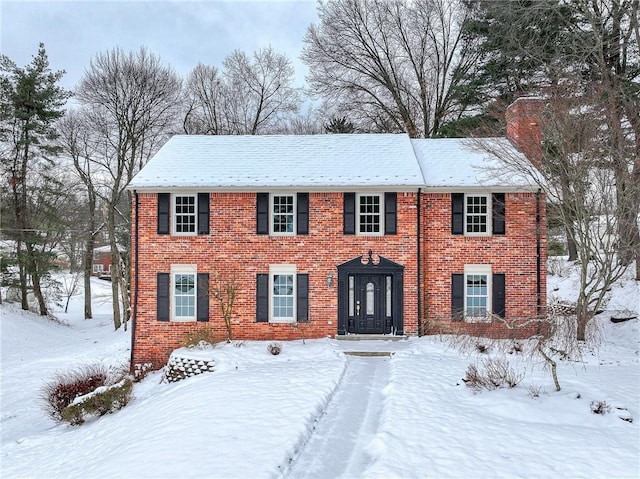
513,254
233,247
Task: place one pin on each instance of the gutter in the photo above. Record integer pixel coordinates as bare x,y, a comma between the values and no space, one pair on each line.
538,259
419,262
134,309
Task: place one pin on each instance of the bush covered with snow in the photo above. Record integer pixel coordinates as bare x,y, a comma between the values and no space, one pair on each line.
103,400
66,386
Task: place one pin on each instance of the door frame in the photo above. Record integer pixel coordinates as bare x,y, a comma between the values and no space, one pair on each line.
365,265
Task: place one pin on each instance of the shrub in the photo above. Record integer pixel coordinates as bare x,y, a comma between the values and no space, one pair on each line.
495,373
482,348
67,386
104,400
199,338
535,391
274,348
600,407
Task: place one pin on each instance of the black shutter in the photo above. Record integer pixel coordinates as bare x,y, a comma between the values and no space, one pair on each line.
164,205
349,213
203,213
302,220
498,292
457,297
202,295
390,213
262,213
498,213
302,298
262,297
457,213
162,297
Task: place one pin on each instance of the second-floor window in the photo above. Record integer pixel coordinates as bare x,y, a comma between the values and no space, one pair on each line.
369,217
474,214
476,219
184,214
283,214
370,213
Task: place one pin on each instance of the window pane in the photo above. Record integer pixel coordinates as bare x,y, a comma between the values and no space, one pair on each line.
388,296
351,296
476,294
477,216
283,214
282,296
369,214
370,306
184,294
185,214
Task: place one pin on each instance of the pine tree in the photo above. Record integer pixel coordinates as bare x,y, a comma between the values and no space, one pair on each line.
30,103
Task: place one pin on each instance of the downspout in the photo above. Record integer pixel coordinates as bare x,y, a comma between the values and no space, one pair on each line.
134,309
419,262
538,260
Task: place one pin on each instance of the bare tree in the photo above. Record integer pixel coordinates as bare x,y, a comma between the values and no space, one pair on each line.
250,96
205,92
132,102
585,196
78,144
224,290
259,90
390,65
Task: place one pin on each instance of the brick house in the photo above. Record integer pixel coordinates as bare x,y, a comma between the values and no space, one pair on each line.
101,263
330,235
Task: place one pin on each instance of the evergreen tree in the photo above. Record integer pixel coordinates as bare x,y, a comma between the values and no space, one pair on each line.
30,103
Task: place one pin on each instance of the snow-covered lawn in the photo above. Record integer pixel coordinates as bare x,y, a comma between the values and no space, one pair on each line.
253,417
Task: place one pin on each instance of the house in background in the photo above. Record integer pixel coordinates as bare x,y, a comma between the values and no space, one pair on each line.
338,235
101,264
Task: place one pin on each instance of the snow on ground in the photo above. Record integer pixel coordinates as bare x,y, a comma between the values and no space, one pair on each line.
294,415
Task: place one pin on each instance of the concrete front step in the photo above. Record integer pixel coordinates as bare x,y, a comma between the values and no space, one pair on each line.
367,337
369,353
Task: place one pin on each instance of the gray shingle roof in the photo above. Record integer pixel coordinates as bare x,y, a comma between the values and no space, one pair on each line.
322,162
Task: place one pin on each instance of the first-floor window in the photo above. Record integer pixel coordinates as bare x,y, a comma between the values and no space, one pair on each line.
98,268
183,287
477,292
282,287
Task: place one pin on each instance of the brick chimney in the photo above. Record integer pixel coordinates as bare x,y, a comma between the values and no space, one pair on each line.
524,126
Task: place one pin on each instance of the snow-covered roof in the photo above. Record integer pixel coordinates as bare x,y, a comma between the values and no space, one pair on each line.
281,161
468,163
326,162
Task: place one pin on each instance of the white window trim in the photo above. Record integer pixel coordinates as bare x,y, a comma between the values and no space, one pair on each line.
295,214
489,214
485,269
98,267
173,214
182,269
382,214
283,269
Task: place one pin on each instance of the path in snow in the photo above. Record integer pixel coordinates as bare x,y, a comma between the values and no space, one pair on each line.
337,448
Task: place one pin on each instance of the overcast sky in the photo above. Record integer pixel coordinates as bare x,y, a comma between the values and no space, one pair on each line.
181,33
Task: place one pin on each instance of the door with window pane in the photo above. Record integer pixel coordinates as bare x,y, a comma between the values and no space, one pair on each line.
370,297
